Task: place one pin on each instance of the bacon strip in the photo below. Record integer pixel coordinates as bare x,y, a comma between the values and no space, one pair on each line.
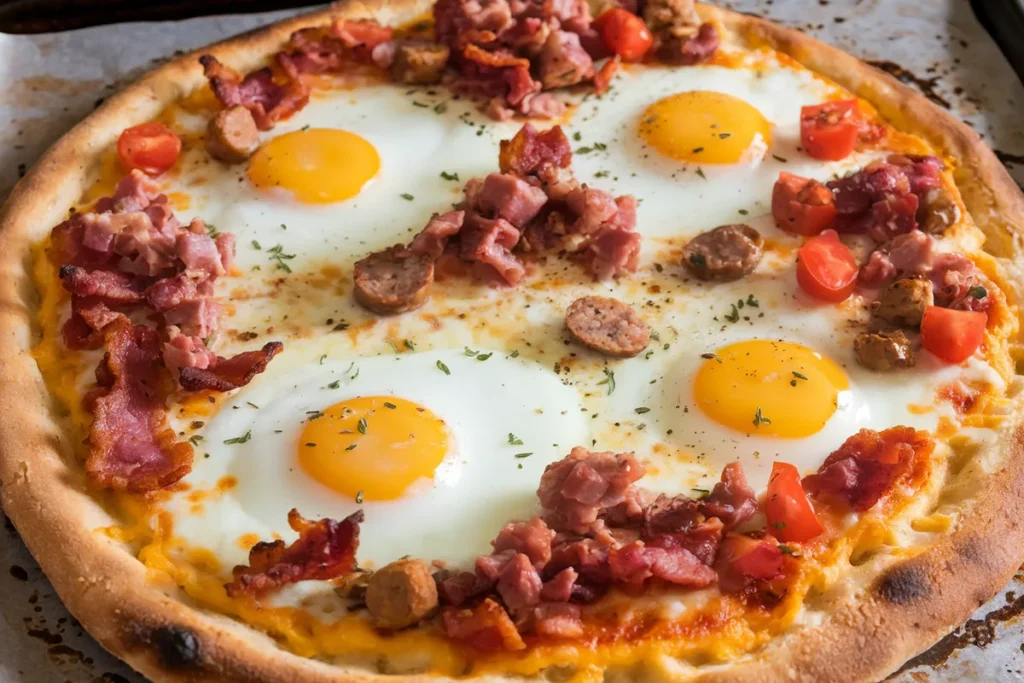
324,550
230,373
131,446
268,100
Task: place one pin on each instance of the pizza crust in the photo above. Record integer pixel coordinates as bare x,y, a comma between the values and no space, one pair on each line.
910,605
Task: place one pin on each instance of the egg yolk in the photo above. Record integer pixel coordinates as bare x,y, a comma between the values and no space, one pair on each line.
318,165
373,448
701,126
771,388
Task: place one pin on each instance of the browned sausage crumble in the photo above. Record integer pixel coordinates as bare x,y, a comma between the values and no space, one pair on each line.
607,326
232,135
725,253
883,350
419,62
903,302
393,281
401,594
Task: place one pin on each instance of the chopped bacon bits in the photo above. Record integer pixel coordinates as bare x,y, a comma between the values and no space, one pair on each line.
131,446
229,373
267,100
324,550
530,152
868,465
486,627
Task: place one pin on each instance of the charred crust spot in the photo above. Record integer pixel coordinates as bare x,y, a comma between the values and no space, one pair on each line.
904,585
176,647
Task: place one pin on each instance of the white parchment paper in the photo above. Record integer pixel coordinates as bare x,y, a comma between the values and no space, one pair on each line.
50,82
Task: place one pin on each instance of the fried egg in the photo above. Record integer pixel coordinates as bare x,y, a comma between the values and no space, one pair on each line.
438,448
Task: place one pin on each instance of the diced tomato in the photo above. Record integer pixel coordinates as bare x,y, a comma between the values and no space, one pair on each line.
624,33
742,559
829,131
790,515
802,205
952,335
825,268
150,147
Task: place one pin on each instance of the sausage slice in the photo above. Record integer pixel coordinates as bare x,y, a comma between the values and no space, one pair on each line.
903,302
393,281
883,351
401,594
419,62
725,253
607,326
232,135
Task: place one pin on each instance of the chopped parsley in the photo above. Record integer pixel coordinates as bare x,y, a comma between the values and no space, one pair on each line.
335,384
256,245
239,439
449,176
195,439
514,440
703,493
409,345
211,230
642,410
361,425
277,255
388,404
323,358
733,316
779,159
799,375
743,212
485,356
359,495
786,550
977,291
707,356
407,197
520,456
350,447
697,150
609,379
596,147
443,368
700,172
470,352
577,136
514,354
760,419
751,301
440,107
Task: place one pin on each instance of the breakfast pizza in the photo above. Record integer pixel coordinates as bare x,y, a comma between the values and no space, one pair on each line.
515,339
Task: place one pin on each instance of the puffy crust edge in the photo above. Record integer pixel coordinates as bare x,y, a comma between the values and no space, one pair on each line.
908,607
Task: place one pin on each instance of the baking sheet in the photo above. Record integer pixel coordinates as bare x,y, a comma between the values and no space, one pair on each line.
49,82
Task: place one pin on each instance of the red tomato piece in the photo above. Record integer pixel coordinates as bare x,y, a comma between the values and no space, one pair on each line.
825,268
790,515
624,33
802,205
829,131
150,147
952,335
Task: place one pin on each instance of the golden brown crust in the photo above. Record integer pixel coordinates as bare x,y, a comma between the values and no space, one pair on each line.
911,605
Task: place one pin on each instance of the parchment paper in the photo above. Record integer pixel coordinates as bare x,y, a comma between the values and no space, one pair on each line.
49,82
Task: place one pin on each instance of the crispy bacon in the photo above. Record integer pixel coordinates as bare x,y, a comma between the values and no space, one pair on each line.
574,490
229,373
131,446
732,500
268,100
324,550
312,52
528,152
494,60
112,288
361,32
743,560
636,563
868,465
486,627
605,75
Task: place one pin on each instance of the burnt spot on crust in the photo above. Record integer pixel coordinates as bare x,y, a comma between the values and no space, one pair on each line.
903,585
176,647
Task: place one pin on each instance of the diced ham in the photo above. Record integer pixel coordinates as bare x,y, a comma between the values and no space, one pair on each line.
532,538
170,292
435,235
458,588
490,242
198,317
559,587
182,351
519,584
198,251
131,445
575,489
702,540
505,196
491,566
731,500
324,550
611,252
636,563
671,514
563,61
557,620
